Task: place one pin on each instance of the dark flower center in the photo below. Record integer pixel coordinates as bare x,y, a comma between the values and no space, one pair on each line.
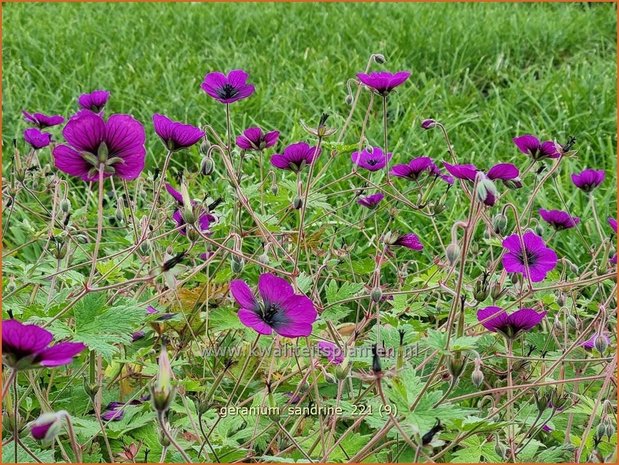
531,258
227,91
272,314
372,162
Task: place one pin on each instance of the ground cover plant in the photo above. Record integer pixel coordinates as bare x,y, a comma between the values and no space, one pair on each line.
391,244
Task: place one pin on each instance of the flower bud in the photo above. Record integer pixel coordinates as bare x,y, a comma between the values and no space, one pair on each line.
205,146
237,264
600,343
557,325
263,258
456,365
162,392
499,223
119,214
453,253
207,166
481,291
486,190
379,58
561,299
10,285
65,205
428,123
539,229
348,100
47,426
477,377
163,438
91,389
376,366
572,321
377,294
274,187
496,290
297,203
500,449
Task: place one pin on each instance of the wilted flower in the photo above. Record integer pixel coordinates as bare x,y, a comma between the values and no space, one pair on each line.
537,150
333,353
227,89
510,325
383,82
559,219
410,241
94,101
26,346
41,120
295,157
588,179
175,135
115,145
539,258
279,308
413,169
37,139
371,201
372,159
254,139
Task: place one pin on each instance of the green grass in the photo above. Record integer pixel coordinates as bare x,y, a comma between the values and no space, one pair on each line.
487,71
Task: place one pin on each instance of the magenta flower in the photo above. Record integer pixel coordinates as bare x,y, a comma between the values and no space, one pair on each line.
509,325
174,193
537,150
254,139
410,241
227,89
589,344
383,82
539,258
413,169
332,352
372,159
204,222
41,120
26,346
466,172
371,201
115,411
588,179
507,173
613,223
116,145
436,171
37,139
295,157
559,219
175,135
94,101
47,426
279,308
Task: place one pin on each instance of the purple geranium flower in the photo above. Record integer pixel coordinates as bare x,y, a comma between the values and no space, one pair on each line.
371,201
372,159
539,258
613,223
413,169
333,353
26,346
295,157
410,241
588,179
254,139
383,82
175,135
227,89
117,144
94,101
507,173
115,411
428,123
466,172
37,139
589,344
532,146
204,222
279,308
559,219
47,426
41,120
509,325
174,193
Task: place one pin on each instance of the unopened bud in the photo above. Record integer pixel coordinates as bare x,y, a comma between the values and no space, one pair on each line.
237,264
349,99
263,258
379,58
600,343
119,215
274,187
539,229
453,253
206,166
162,391
561,299
572,321
11,286
557,325
297,203
47,426
486,190
428,123
65,205
377,294
499,223
456,364
477,377
205,146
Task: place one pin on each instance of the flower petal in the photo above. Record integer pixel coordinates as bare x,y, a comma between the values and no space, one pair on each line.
252,320
273,288
243,294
